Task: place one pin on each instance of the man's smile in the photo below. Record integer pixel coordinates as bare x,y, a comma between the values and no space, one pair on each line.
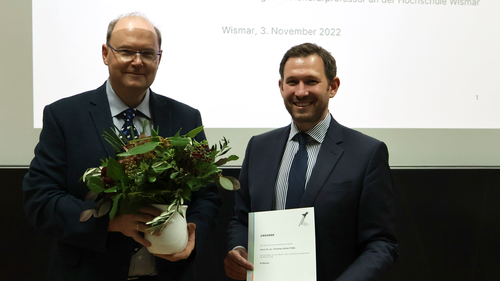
302,104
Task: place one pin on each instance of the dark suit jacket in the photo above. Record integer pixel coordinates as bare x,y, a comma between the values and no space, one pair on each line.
70,142
350,189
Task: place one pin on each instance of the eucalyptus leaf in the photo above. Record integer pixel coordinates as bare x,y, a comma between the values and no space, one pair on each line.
221,162
91,196
180,211
91,172
172,205
160,173
104,209
235,181
86,215
226,183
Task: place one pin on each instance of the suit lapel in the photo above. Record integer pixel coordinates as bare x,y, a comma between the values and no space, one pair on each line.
162,117
328,156
101,116
270,168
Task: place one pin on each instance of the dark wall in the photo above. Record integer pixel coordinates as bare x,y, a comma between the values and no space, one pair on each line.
448,228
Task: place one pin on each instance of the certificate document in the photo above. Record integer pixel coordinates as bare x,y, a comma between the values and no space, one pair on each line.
282,245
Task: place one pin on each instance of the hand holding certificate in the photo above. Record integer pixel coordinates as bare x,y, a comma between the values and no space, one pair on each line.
281,245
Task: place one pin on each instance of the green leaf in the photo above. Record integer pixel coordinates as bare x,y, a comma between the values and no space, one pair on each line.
115,141
179,210
160,167
154,133
172,205
144,126
86,215
116,170
147,147
91,172
194,132
104,209
227,184
91,196
179,141
186,194
221,162
173,175
233,158
96,184
151,178
116,202
130,205
111,189
192,182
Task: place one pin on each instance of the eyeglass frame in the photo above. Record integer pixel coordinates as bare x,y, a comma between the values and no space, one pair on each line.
135,53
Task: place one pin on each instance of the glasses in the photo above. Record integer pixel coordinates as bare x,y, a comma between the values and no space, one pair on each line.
127,55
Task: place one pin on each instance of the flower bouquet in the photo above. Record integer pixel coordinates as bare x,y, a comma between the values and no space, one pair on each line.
154,170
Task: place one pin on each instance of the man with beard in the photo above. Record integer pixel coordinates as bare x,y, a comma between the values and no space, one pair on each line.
346,178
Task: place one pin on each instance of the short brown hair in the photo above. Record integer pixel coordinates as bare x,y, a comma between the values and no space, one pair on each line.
308,49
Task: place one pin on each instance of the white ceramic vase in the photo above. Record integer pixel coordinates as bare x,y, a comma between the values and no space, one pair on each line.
173,238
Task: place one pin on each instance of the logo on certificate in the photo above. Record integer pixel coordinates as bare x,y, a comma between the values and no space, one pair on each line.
303,219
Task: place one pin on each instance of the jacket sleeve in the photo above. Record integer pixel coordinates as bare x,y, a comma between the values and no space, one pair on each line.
53,203
376,222
238,226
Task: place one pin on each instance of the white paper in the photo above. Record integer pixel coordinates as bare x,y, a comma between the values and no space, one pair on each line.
282,245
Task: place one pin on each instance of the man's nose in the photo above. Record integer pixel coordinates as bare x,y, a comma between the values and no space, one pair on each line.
302,90
137,60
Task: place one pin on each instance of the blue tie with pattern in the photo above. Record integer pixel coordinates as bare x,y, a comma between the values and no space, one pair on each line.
128,126
297,177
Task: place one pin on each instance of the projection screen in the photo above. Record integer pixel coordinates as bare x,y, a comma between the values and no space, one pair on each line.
417,74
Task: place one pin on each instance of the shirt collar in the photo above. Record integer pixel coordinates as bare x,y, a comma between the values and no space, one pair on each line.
117,106
318,132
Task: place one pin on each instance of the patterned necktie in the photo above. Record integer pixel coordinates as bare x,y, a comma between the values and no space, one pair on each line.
127,128
297,177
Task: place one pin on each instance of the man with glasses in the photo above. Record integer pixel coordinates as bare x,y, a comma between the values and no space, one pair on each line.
71,141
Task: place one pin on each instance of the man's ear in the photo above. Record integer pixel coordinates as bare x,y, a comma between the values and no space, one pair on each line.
105,54
281,87
334,86
159,57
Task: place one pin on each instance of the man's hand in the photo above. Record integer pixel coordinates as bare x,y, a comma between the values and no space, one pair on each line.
189,247
132,225
236,264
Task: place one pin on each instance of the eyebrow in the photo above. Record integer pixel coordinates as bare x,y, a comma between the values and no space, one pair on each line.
294,77
128,47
